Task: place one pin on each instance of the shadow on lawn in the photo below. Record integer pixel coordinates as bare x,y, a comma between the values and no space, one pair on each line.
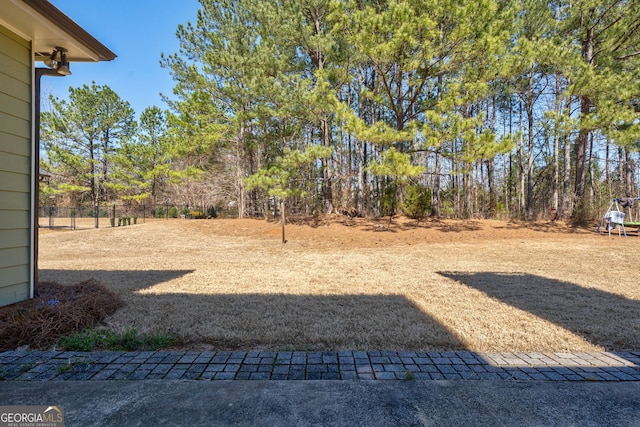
602,318
116,280
297,322
269,321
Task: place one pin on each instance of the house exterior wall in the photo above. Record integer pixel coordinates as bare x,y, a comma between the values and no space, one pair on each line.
15,167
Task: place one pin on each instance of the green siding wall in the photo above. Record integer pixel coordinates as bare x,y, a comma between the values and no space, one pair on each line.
15,167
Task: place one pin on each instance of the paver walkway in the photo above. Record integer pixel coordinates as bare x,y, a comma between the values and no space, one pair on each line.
344,365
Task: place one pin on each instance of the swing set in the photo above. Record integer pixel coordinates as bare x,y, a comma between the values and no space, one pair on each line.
614,218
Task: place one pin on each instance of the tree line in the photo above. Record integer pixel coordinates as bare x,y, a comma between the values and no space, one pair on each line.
466,108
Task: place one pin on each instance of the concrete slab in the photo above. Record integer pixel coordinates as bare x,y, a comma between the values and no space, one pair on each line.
333,403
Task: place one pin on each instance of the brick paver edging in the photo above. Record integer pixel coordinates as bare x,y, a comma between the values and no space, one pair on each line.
344,365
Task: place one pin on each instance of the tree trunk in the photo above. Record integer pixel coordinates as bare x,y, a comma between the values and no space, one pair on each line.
567,205
360,191
282,220
491,166
435,194
521,162
491,163
240,173
467,187
530,200
607,171
556,149
628,169
583,135
530,141
327,187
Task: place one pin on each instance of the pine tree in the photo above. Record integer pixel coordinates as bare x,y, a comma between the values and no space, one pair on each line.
143,164
283,178
605,76
397,168
81,136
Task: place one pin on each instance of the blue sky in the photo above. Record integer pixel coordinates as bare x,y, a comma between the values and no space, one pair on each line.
138,32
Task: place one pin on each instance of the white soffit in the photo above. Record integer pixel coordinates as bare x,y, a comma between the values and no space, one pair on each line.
44,35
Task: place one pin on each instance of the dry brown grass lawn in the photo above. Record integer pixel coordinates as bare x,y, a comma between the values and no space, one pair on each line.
352,284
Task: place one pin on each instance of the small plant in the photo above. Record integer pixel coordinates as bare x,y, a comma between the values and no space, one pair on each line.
173,212
71,363
63,369
446,210
26,367
81,341
500,211
159,212
113,222
135,219
409,376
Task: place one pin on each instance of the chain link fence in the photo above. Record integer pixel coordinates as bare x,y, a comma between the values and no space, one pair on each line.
84,217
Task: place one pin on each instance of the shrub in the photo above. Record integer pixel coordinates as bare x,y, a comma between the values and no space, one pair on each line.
389,199
417,201
446,209
159,212
211,212
173,212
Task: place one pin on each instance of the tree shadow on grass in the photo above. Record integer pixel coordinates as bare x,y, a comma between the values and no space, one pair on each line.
602,318
267,321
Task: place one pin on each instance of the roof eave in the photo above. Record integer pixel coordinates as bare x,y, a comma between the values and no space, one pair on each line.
62,21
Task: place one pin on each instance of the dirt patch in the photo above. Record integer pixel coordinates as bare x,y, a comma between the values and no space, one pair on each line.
353,283
339,231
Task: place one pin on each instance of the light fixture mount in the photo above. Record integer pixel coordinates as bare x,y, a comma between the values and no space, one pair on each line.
58,61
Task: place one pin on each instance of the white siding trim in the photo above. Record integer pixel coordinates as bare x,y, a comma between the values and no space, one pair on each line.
35,180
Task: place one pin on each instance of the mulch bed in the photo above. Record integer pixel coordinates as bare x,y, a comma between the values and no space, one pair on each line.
58,310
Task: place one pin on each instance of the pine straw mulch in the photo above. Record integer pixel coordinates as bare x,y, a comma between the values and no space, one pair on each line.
57,311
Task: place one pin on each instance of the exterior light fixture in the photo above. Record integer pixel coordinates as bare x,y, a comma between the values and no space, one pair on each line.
58,61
